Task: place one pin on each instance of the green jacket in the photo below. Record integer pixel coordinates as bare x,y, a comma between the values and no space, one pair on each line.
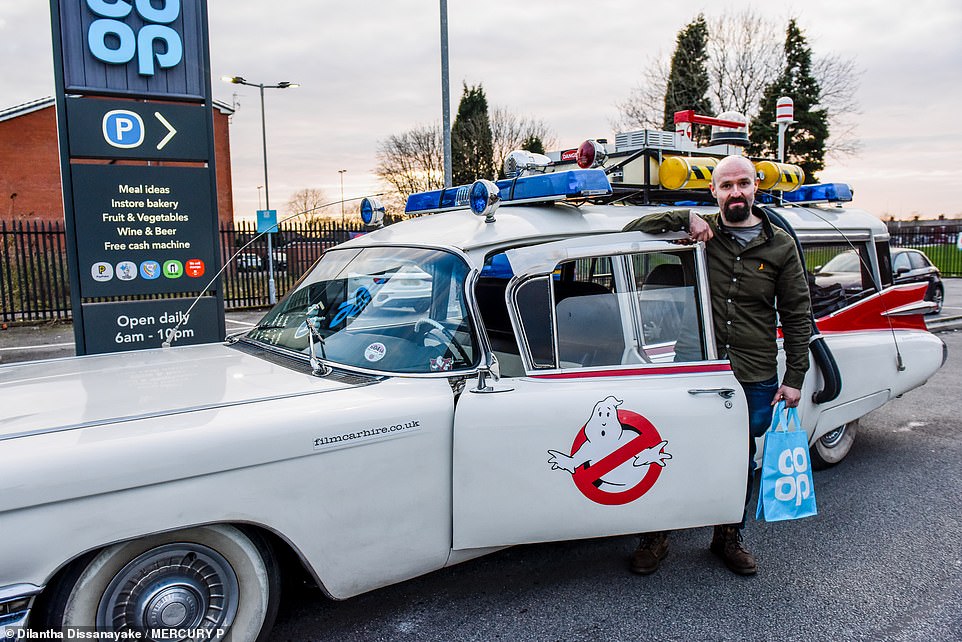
748,286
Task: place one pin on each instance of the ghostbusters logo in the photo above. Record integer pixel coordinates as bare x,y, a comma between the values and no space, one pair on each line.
616,457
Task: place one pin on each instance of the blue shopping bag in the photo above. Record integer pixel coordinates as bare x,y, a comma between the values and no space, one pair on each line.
786,489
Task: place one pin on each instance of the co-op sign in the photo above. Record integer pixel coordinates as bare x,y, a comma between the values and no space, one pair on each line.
134,47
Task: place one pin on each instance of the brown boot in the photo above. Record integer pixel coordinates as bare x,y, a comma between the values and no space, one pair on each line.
651,550
726,543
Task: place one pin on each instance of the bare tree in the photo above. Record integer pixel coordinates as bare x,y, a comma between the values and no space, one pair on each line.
509,131
745,55
838,79
308,202
412,161
645,105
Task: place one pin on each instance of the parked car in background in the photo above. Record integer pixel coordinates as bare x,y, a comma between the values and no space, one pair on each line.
913,266
248,261
908,266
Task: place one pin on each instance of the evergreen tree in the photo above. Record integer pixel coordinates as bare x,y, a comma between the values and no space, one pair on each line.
688,79
472,147
804,140
533,144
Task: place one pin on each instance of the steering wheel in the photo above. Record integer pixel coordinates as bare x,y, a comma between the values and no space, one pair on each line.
445,335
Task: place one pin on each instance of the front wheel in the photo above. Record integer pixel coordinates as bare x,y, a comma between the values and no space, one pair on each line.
832,447
215,580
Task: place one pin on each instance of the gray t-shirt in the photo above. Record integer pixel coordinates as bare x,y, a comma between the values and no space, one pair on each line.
744,235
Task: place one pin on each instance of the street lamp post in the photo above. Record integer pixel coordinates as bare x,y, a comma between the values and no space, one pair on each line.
238,80
343,221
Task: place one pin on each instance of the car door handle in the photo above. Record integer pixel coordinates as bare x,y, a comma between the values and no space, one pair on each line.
724,393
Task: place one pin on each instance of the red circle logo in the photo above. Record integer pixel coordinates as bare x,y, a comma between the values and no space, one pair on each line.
590,478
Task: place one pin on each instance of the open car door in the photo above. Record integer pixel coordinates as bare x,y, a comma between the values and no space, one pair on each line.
621,420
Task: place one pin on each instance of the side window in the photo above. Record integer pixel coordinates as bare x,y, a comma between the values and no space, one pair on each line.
917,260
590,323
884,256
838,275
533,299
671,328
640,308
901,261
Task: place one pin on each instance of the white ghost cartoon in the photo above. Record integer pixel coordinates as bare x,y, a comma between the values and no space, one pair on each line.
604,434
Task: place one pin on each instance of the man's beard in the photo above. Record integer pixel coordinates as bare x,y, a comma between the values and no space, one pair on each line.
739,213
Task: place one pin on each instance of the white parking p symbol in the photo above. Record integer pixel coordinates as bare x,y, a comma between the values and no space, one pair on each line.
123,129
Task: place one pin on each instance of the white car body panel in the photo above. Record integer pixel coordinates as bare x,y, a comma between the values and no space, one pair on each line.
107,483
506,492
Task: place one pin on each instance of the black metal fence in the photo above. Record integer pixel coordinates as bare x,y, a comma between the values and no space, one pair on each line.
938,239
34,282
34,285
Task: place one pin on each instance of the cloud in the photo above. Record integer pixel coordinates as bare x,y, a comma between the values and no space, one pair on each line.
372,69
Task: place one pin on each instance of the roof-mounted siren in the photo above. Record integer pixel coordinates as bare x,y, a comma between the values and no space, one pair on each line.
372,213
729,128
484,198
521,162
591,154
784,116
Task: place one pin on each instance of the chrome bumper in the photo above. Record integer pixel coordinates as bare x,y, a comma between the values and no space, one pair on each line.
15,603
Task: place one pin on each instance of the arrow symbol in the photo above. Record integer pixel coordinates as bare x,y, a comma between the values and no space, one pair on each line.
170,131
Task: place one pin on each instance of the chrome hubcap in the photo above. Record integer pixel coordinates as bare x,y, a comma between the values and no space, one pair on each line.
174,587
831,439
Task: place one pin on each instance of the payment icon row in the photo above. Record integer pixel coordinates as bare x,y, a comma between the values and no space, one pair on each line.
149,270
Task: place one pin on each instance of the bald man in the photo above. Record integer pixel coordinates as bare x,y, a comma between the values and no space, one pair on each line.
755,273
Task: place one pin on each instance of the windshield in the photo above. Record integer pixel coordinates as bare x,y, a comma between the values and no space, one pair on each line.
389,309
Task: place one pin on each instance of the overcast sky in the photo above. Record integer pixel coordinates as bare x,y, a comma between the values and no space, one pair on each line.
370,69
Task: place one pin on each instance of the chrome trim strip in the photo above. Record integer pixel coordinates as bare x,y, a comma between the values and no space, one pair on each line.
917,307
18,591
162,413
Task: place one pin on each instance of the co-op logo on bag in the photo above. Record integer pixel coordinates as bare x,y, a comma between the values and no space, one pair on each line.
616,457
112,40
794,483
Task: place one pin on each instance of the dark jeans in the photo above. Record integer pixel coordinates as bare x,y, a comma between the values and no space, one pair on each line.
759,397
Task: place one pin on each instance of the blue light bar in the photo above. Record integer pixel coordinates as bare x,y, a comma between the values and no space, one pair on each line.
819,193
577,183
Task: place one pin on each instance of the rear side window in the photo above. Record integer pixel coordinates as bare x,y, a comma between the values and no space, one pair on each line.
838,275
917,260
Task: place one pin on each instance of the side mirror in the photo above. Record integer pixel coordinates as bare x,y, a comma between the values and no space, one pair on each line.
902,270
490,370
818,268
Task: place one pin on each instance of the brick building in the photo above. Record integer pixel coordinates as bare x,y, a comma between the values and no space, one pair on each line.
30,188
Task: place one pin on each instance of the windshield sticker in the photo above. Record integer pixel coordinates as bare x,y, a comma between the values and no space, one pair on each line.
351,308
375,352
617,455
441,364
301,330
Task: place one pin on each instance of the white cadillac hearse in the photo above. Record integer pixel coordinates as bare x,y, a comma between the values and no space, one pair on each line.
427,392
